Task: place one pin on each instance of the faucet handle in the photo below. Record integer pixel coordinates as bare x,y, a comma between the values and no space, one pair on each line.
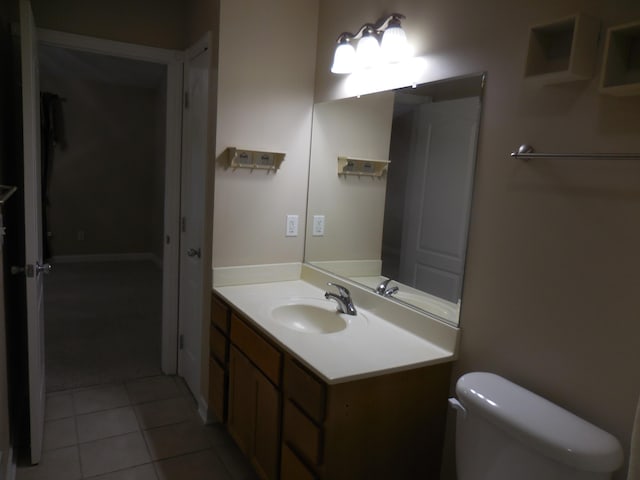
382,287
341,289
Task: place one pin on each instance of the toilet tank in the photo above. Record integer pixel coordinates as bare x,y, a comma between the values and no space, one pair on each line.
505,432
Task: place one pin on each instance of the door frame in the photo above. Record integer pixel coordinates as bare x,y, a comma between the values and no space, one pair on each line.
174,60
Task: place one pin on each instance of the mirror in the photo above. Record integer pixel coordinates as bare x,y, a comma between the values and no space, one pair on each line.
390,186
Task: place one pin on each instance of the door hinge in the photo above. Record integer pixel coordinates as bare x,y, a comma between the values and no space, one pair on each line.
186,99
183,224
181,342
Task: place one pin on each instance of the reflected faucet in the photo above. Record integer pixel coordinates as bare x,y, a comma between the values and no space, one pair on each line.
342,298
384,290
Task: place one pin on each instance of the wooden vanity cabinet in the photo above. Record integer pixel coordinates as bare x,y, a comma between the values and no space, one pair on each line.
219,357
254,397
388,426
293,425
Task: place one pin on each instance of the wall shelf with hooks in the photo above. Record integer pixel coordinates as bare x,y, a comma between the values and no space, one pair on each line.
362,166
253,159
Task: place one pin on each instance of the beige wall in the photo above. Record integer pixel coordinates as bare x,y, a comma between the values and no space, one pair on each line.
203,16
353,206
265,100
550,294
159,23
103,182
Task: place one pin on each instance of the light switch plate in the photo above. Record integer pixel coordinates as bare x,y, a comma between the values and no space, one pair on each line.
292,226
318,226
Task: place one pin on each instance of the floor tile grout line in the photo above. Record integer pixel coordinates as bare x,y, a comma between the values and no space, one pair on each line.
158,427
93,477
107,437
184,454
124,468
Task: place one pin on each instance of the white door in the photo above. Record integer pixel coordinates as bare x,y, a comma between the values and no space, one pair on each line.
192,236
438,197
33,225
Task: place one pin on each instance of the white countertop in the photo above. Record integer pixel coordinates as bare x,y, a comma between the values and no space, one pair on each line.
369,346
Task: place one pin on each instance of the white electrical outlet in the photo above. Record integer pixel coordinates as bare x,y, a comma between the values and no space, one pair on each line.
292,226
318,225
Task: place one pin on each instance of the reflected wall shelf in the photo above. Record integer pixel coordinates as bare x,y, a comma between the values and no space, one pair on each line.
253,159
621,66
562,51
362,166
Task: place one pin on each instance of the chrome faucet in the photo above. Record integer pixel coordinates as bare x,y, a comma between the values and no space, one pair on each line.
384,289
342,298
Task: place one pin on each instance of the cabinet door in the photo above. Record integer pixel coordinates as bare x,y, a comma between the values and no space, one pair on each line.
267,428
254,414
217,389
242,401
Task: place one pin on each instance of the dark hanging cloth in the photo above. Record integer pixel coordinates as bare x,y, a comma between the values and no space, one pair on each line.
52,136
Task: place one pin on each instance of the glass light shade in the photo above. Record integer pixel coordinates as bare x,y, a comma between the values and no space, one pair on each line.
368,51
394,44
344,58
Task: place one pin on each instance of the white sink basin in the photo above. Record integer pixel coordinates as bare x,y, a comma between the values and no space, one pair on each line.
311,316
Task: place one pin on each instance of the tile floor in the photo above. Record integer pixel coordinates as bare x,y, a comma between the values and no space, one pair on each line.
145,429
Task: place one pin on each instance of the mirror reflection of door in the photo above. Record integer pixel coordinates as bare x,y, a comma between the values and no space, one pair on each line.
409,225
439,169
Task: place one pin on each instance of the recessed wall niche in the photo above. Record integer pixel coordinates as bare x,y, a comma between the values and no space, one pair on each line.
621,66
562,51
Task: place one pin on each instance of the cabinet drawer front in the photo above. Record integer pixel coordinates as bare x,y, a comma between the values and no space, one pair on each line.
302,434
219,345
217,391
219,314
304,389
257,349
291,468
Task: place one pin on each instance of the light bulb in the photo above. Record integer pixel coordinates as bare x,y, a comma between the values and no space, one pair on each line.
394,43
368,51
344,58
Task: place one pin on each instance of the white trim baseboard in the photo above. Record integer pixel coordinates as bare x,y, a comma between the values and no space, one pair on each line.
9,464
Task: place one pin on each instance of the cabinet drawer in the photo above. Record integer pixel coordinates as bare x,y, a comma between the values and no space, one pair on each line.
291,468
257,349
302,434
218,344
304,389
220,314
217,390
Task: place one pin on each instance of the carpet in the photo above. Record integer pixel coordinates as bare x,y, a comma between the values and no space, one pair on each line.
103,323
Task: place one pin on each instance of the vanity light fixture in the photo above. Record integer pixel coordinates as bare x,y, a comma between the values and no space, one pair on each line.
384,41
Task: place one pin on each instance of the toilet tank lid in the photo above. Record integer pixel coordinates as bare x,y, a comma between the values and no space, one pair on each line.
546,427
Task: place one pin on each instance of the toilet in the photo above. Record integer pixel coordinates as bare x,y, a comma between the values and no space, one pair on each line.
505,432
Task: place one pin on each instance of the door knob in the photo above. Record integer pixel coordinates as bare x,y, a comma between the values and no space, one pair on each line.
192,252
32,270
43,268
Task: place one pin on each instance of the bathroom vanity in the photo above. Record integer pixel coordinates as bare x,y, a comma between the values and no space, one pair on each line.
365,401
